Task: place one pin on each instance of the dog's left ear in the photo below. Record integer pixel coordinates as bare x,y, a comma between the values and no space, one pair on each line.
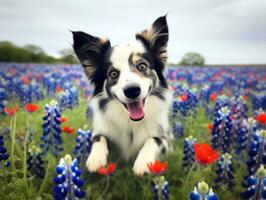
155,39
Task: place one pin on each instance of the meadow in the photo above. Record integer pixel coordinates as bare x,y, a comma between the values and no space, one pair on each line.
217,116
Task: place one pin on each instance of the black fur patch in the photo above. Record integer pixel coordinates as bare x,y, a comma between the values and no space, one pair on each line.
158,92
98,137
103,103
131,137
92,52
158,141
163,151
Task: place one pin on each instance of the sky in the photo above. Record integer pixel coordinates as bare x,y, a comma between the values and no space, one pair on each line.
223,31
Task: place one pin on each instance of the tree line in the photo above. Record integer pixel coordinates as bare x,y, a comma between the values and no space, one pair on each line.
30,53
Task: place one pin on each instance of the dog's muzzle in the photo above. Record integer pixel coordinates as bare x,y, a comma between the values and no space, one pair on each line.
135,105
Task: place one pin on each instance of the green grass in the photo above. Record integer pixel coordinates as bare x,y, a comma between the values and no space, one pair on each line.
123,184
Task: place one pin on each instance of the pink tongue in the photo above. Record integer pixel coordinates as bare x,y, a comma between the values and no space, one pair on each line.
135,110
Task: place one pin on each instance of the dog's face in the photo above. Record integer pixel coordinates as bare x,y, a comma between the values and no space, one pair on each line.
127,72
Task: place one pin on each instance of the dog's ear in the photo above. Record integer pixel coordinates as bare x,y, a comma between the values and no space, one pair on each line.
155,39
90,50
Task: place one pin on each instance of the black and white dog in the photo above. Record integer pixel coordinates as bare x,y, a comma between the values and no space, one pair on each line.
131,97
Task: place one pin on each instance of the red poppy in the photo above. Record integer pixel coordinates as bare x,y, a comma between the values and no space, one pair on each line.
62,119
106,171
210,127
213,96
183,97
205,154
68,130
261,118
25,79
58,89
157,168
11,111
31,107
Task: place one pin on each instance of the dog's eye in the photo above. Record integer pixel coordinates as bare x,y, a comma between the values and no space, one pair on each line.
142,67
113,74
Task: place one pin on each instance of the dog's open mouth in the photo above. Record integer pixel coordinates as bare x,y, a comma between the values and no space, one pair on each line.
135,109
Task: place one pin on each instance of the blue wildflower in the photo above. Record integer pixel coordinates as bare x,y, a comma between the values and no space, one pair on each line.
68,182
202,192
83,146
221,132
35,162
3,153
160,188
188,152
257,151
225,170
51,136
256,185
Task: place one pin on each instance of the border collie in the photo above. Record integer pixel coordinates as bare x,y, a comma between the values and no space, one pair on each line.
131,97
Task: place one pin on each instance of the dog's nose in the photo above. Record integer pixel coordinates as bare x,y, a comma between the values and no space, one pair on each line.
132,91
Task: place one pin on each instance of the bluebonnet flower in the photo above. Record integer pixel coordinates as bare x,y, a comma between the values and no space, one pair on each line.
221,132
165,190
3,97
188,151
160,188
178,129
51,136
202,192
29,93
257,151
83,146
68,98
68,182
256,185
225,170
35,162
3,153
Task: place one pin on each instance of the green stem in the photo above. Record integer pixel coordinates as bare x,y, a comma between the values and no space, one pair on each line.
105,189
189,174
4,175
159,188
25,152
13,140
44,180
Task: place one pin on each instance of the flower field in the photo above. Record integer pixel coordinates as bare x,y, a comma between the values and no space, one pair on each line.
218,118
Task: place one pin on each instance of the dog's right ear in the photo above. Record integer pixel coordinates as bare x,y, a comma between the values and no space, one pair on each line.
90,51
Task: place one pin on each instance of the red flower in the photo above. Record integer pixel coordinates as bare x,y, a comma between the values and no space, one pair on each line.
68,130
210,127
58,89
11,111
205,154
183,97
261,118
157,168
213,96
31,107
106,171
62,119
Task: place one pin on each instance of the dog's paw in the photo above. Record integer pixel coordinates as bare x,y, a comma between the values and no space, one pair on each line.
97,157
94,162
141,165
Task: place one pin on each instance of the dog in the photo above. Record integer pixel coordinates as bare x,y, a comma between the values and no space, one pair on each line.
131,97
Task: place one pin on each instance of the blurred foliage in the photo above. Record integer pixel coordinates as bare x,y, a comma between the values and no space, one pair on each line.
30,53
192,58
68,56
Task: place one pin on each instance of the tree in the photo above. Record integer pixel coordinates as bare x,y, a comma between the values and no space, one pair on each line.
192,59
68,56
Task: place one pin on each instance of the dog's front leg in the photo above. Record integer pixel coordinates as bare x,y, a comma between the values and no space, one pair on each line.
150,151
98,155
